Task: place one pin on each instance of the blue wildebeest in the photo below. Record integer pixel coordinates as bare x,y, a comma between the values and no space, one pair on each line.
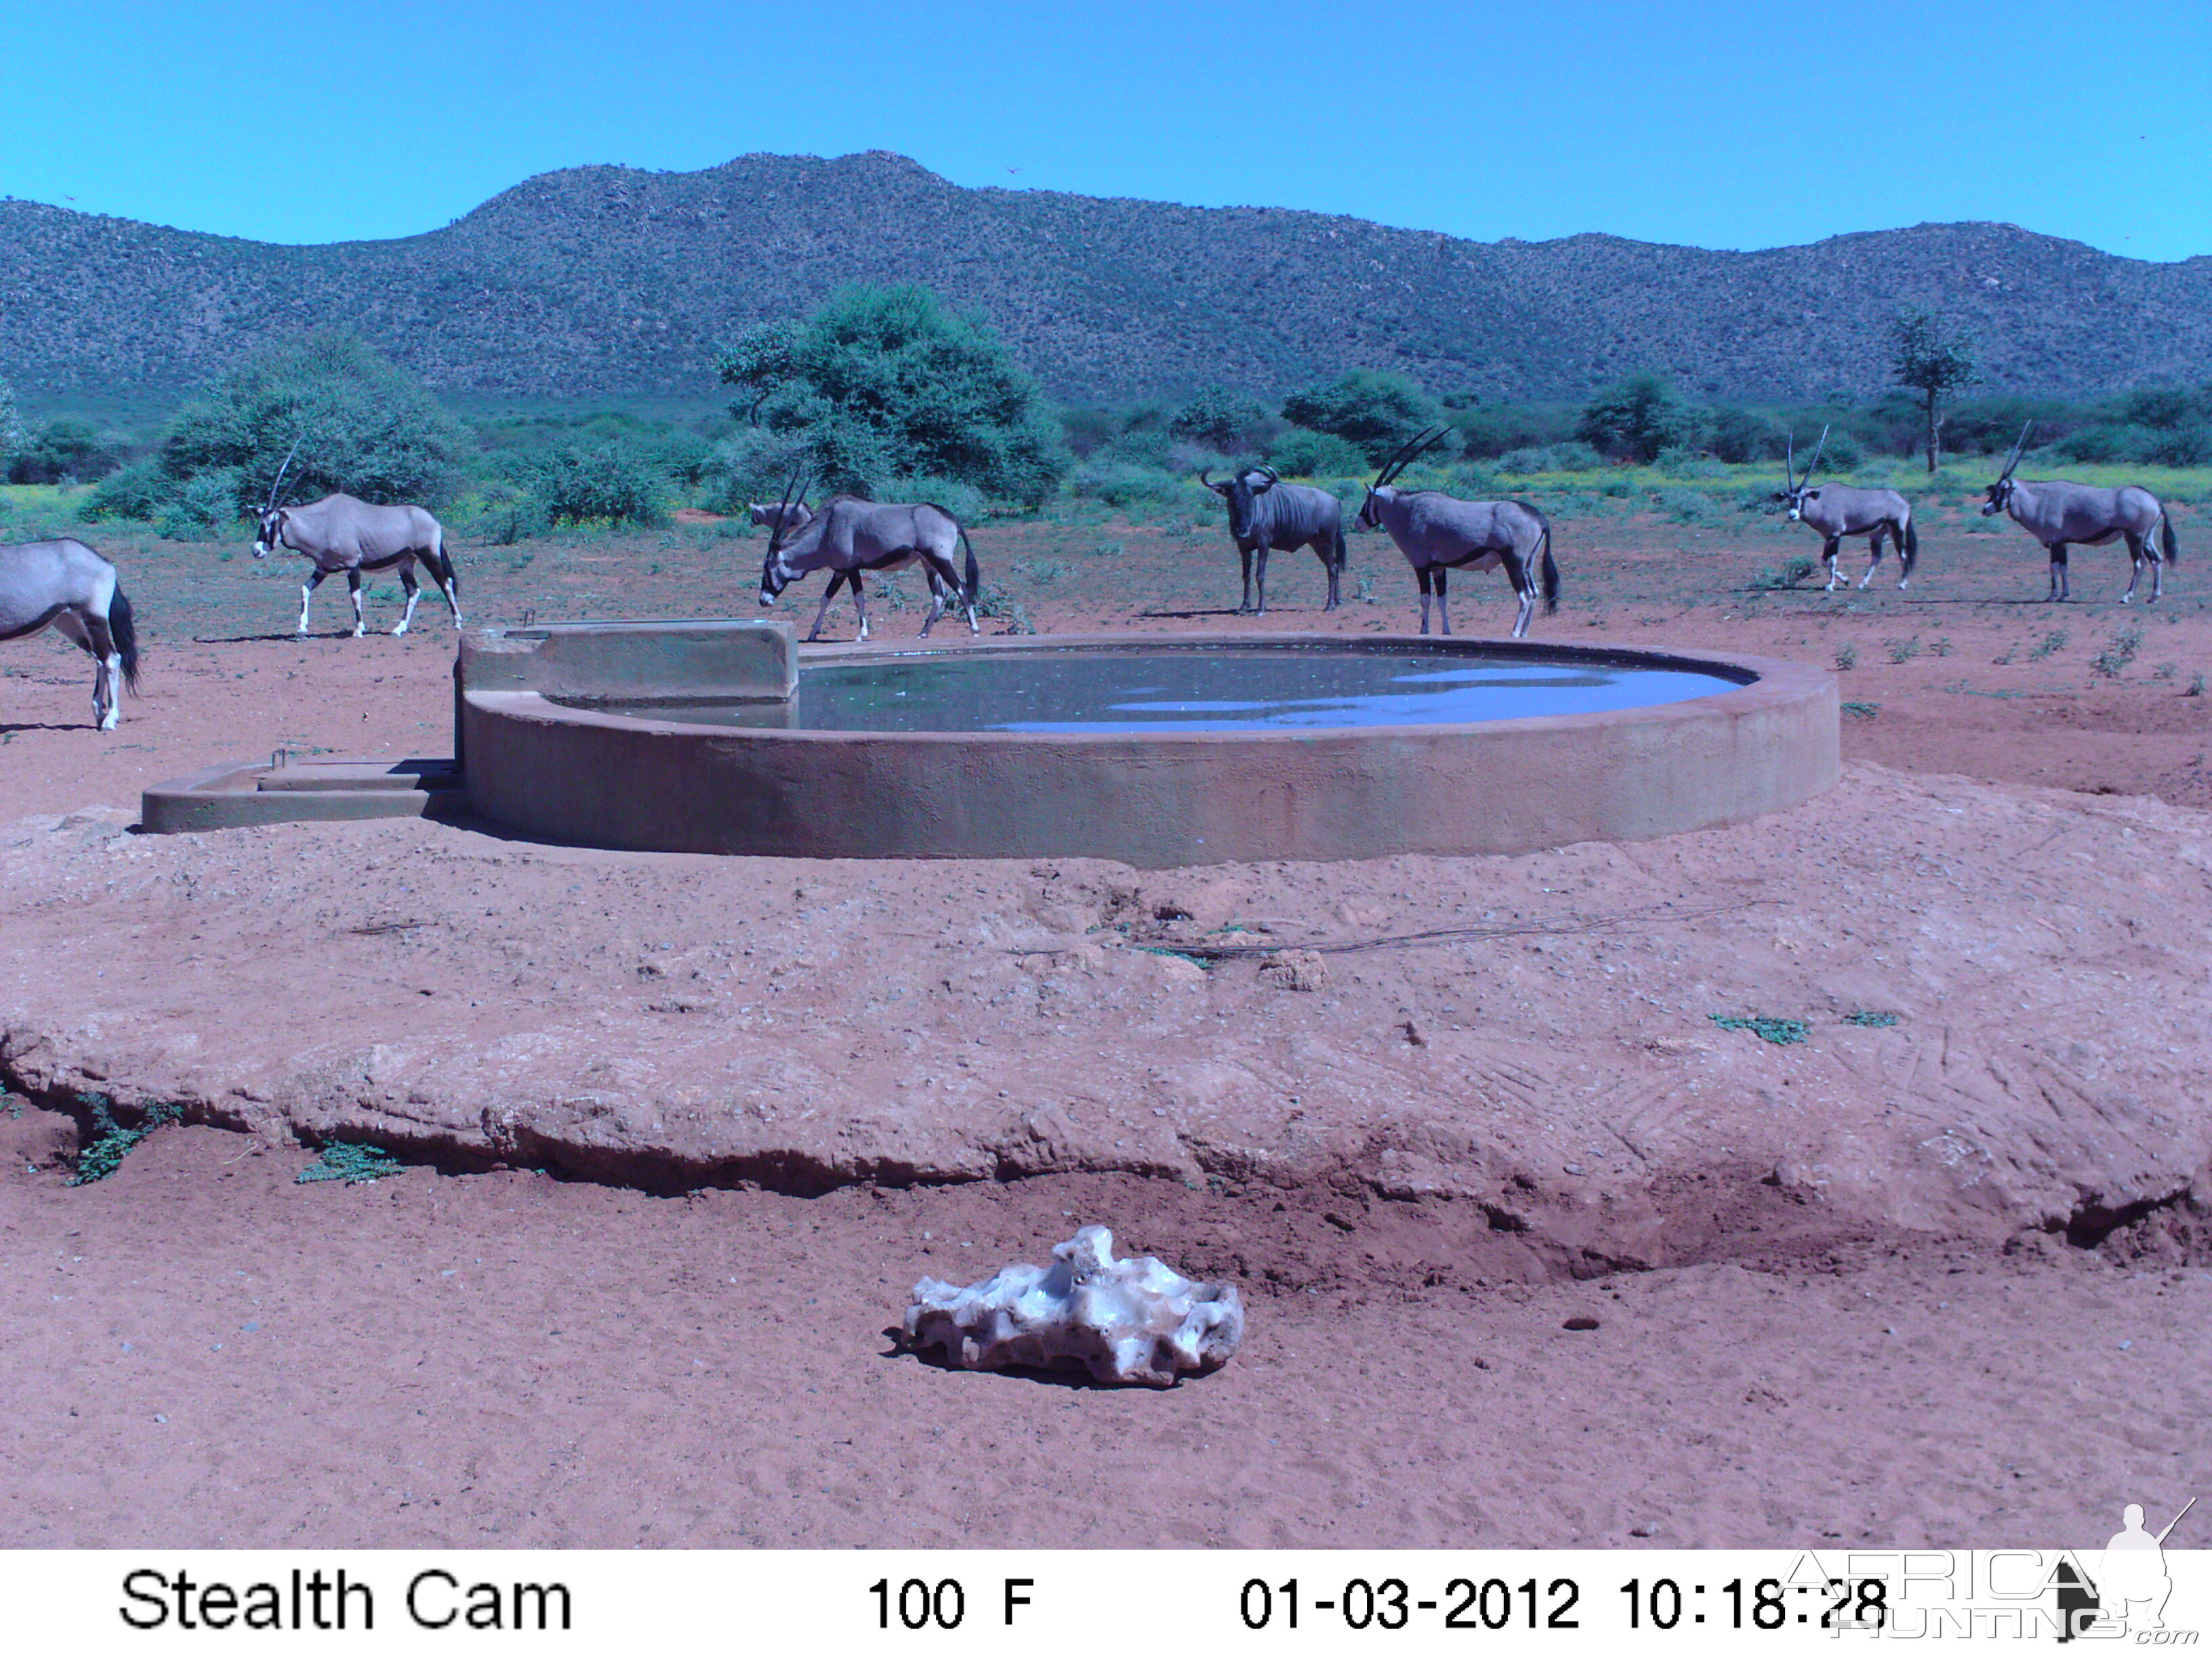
1267,515
1840,510
1439,533
849,536
66,585
340,533
2059,514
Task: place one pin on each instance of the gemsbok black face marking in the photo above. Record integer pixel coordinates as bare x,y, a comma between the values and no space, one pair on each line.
848,535
1266,515
1440,533
66,585
1840,510
2060,514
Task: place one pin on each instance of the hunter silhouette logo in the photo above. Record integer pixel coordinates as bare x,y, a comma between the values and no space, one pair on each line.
2131,1585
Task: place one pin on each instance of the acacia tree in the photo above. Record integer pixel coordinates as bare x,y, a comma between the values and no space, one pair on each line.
884,384
1933,361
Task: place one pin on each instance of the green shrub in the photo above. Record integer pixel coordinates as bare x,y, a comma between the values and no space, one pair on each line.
11,423
63,451
612,484
1302,453
1372,410
1637,419
883,382
140,492
1223,419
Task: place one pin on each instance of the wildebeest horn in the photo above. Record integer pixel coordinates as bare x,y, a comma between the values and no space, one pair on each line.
2013,459
1274,476
278,483
1204,476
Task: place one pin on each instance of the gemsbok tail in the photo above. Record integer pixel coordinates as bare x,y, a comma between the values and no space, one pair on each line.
973,576
1551,575
125,632
2167,543
1908,548
446,574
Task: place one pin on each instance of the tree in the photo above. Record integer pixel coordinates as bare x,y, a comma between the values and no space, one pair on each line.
360,423
884,384
1637,418
1932,361
1224,419
1369,407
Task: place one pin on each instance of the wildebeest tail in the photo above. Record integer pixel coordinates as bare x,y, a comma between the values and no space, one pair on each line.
1908,548
125,632
973,576
1551,570
2166,542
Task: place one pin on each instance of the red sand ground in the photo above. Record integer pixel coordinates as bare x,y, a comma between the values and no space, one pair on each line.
510,1359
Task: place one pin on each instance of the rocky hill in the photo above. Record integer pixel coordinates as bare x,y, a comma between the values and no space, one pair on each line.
606,282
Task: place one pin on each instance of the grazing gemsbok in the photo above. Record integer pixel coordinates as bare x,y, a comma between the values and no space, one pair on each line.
1840,510
66,586
1267,515
791,515
2059,514
1439,533
849,536
340,533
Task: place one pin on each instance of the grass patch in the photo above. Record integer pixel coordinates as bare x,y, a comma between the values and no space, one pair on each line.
1870,1017
1765,1027
2112,661
106,1154
1792,574
343,1160
1860,711
2050,644
1847,658
1903,650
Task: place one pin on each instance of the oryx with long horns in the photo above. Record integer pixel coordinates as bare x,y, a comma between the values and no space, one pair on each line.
847,536
1840,510
1440,533
2059,514
66,586
342,534
1266,515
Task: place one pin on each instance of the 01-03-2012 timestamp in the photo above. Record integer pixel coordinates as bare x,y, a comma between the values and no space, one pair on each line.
1498,1604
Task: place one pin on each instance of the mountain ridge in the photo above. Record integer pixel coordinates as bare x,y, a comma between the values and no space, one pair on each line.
610,282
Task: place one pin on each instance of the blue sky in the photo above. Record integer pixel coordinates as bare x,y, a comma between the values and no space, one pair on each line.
1721,125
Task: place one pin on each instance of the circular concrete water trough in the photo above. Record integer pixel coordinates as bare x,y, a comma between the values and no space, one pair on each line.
1156,752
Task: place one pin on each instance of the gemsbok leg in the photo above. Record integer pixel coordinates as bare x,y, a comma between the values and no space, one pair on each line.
1524,590
837,582
1443,605
1876,546
353,591
2060,590
414,595
1829,549
314,580
92,633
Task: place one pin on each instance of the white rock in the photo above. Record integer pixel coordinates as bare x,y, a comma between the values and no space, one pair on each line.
1135,1320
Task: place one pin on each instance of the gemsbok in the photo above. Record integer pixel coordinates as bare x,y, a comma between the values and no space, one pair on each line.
1840,510
848,535
2059,514
1440,533
342,534
66,585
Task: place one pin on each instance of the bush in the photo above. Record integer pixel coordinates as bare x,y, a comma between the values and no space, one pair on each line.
1636,419
140,492
1741,437
63,451
883,382
1301,453
1222,419
203,506
363,426
609,483
1373,411
11,423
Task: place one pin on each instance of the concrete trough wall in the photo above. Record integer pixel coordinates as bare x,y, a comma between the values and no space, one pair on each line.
559,772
